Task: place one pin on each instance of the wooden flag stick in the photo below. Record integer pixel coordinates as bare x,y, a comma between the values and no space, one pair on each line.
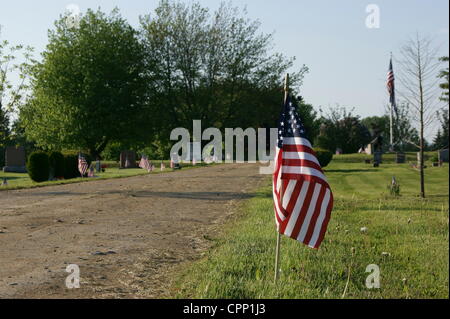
277,250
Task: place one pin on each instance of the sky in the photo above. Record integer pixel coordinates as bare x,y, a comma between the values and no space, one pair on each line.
347,61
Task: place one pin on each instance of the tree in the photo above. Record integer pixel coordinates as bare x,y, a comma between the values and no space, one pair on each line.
441,139
443,74
4,134
418,68
214,67
378,124
11,95
406,137
4,128
90,88
341,129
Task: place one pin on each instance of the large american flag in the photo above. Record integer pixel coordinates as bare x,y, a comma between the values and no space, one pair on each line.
145,164
391,87
82,164
302,197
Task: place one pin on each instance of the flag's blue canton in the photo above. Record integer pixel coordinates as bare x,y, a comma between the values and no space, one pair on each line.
290,124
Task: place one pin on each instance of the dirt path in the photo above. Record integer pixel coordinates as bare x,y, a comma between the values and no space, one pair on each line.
126,235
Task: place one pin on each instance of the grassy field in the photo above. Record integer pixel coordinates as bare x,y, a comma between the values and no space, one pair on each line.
407,237
19,180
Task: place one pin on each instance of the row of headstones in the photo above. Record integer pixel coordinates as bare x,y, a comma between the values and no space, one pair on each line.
401,157
15,159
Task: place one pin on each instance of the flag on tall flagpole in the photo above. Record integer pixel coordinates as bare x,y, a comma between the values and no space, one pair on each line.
391,87
304,210
82,165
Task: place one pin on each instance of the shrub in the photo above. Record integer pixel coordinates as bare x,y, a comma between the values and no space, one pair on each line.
38,166
433,158
71,166
56,160
323,156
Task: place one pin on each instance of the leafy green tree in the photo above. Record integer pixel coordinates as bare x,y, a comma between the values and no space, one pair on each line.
4,127
443,74
11,95
90,88
342,129
216,67
442,138
4,134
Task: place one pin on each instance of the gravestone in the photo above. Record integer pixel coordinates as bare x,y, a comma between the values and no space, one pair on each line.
418,160
15,160
127,159
377,157
400,158
443,155
98,166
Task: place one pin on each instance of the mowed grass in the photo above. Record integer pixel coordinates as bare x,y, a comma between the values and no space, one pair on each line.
407,237
20,180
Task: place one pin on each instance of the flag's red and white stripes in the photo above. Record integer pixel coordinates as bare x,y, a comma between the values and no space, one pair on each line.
390,81
82,165
304,210
145,164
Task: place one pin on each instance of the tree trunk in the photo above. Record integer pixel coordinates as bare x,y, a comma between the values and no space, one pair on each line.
95,152
422,144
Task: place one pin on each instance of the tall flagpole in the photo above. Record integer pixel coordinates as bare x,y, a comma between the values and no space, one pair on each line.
391,119
277,250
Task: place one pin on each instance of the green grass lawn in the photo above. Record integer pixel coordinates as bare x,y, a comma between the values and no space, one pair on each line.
19,180
407,237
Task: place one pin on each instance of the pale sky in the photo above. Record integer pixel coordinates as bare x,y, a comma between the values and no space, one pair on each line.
347,61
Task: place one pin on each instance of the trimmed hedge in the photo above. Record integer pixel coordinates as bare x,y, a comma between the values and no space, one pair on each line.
38,166
323,156
71,166
57,163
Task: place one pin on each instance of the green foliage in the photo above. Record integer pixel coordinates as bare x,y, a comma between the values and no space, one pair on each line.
323,156
38,166
56,160
444,75
441,139
434,158
112,151
90,88
4,134
213,66
341,129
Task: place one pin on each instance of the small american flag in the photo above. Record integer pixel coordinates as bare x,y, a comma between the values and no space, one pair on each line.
302,197
82,164
391,87
145,164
